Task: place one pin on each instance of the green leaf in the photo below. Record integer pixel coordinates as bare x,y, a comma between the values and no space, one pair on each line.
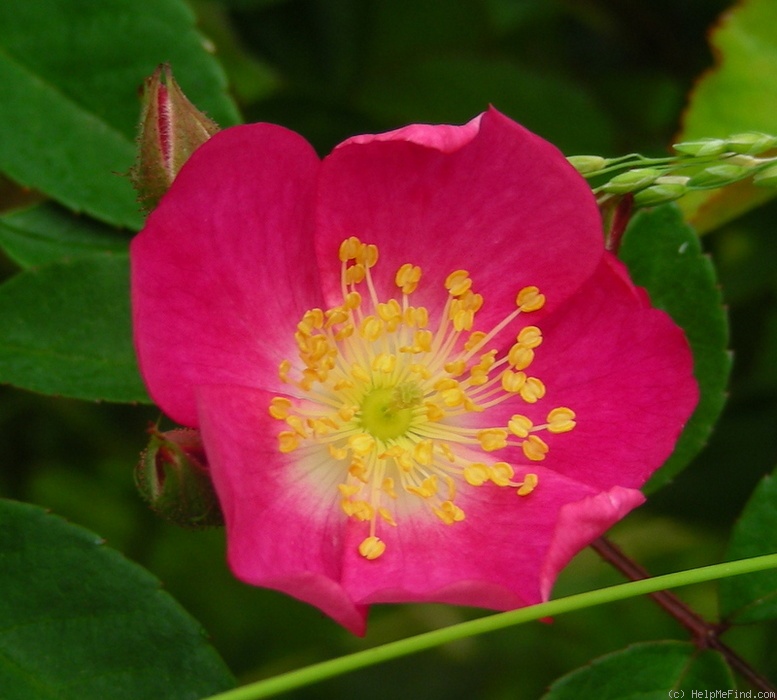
736,95
66,330
80,622
648,671
664,255
753,598
48,232
70,71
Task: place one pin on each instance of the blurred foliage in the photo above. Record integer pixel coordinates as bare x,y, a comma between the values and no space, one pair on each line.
600,76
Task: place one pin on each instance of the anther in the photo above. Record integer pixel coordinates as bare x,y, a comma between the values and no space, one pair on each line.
533,390
407,278
288,441
492,439
449,513
372,547
279,407
501,473
529,484
458,282
530,336
520,426
349,248
476,474
513,382
520,356
530,299
561,420
534,448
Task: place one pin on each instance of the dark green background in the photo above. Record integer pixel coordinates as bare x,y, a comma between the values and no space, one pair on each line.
594,76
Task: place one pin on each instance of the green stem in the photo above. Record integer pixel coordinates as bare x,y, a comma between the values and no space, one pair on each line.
706,635
429,640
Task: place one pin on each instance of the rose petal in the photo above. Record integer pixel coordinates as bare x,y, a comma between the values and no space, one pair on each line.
445,138
223,270
282,532
504,200
626,371
505,553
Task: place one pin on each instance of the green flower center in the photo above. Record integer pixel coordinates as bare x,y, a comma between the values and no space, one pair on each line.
387,413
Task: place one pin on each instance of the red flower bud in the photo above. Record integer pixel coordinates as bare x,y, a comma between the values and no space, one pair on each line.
173,477
171,129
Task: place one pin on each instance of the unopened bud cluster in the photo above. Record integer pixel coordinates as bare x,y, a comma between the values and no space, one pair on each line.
699,165
174,478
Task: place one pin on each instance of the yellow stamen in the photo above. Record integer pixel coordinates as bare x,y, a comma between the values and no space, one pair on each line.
529,484
337,453
287,441
474,340
458,282
492,439
561,420
449,513
355,274
476,474
372,547
422,452
279,407
520,425
349,248
513,382
427,489
535,448
530,299
520,356
361,444
533,390
389,399
407,278
530,337
501,473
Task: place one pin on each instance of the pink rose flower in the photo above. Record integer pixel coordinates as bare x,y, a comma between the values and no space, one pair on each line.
417,373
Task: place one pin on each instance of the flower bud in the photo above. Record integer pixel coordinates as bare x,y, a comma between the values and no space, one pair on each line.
173,477
751,143
702,147
171,129
717,175
631,180
587,164
659,194
766,177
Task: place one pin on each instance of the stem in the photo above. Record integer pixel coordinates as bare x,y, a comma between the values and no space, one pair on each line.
619,213
429,640
705,634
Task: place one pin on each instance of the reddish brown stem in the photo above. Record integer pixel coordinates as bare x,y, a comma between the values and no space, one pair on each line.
616,214
705,634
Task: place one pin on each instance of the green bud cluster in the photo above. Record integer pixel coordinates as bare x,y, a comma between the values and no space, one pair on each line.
697,165
751,143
